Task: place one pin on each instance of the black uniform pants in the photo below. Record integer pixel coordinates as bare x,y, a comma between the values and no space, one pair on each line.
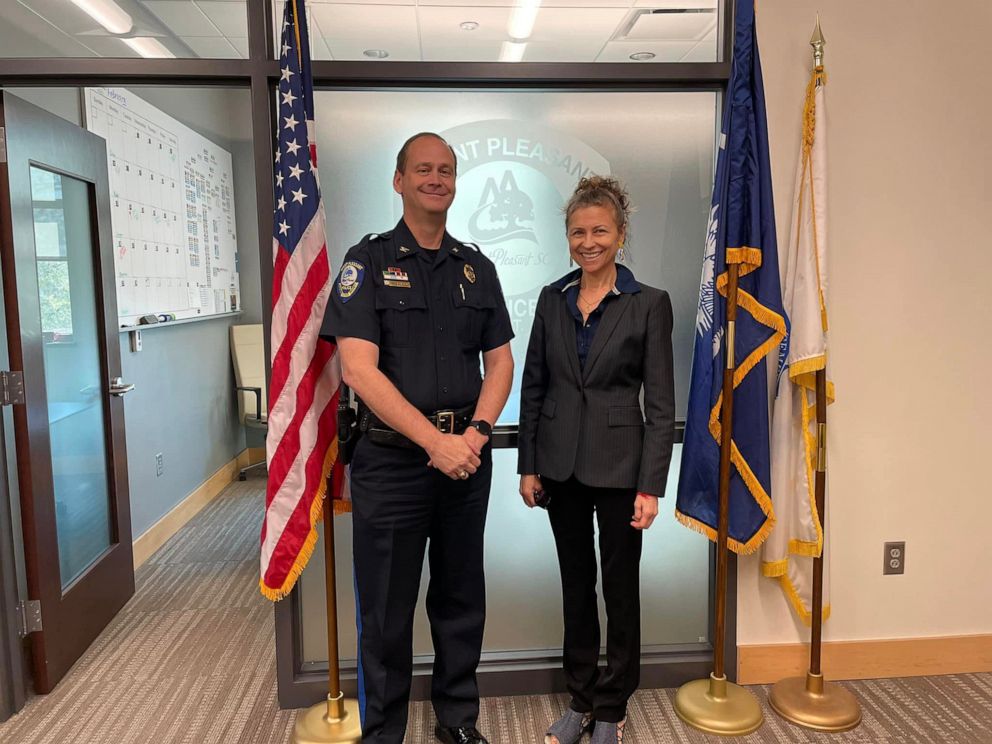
399,506
604,693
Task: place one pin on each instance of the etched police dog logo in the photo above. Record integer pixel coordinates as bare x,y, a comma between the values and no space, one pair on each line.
514,178
502,213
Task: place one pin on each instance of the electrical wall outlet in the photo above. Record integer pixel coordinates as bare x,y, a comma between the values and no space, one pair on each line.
159,465
894,561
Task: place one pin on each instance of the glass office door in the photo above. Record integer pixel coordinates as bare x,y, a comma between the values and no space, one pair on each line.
61,326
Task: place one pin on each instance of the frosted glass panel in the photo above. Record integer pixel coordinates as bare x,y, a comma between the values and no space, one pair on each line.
520,155
73,375
522,583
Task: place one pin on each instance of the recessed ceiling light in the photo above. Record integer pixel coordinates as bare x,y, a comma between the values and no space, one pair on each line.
107,13
468,25
376,53
512,51
642,56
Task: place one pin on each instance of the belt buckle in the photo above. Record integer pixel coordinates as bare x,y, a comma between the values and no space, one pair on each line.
445,422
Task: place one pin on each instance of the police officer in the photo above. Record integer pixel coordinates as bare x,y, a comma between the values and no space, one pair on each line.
411,310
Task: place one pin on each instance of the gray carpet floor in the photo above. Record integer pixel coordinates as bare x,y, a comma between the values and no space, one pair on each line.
191,660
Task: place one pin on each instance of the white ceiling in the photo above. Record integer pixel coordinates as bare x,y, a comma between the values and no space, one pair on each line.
408,30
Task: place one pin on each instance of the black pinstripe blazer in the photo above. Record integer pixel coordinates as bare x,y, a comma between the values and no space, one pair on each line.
589,422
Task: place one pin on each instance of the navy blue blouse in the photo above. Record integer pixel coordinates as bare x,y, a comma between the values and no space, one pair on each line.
585,332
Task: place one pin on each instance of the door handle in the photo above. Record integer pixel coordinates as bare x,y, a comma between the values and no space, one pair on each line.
119,388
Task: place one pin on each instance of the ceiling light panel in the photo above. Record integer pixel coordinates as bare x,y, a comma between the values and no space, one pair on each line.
523,16
107,13
149,47
183,17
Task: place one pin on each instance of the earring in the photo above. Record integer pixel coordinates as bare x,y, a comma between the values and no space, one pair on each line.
622,253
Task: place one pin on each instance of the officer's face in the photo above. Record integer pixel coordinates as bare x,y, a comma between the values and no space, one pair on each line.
428,183
593,237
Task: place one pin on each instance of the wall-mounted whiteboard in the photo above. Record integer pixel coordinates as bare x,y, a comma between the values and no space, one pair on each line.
172,200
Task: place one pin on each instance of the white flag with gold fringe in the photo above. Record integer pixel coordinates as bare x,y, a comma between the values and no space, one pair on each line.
799,531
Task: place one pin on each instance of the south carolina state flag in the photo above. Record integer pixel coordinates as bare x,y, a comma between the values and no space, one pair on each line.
741,230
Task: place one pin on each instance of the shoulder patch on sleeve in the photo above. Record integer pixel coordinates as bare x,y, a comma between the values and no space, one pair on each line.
350,280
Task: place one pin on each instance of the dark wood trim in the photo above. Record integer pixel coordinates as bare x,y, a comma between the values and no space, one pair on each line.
13,690
83,72
260,31
521,75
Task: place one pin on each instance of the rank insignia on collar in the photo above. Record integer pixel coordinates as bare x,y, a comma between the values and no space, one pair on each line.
404,249
350,280
469,273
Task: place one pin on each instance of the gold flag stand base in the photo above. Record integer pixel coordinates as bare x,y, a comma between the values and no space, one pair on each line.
718,707
815,704
335,721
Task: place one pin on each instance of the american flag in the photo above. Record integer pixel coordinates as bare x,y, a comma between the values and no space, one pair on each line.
301,446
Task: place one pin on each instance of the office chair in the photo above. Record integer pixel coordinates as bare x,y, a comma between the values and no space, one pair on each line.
248,355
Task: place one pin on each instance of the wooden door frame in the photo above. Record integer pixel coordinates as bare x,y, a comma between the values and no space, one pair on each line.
13,666
98,591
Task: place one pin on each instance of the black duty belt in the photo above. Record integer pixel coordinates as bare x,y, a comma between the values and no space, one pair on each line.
447,422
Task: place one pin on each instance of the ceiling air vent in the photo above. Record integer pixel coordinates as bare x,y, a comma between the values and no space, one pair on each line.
668,24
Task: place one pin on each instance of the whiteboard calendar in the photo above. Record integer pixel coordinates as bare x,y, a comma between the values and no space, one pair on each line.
172,211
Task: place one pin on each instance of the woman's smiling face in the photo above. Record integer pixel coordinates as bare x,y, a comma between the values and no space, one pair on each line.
593,237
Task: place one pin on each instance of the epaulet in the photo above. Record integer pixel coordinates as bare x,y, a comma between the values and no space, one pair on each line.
376,236
473,246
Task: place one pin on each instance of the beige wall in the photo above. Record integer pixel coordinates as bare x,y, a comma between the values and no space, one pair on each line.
910,196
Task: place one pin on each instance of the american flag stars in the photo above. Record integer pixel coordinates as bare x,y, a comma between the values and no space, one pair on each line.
295,174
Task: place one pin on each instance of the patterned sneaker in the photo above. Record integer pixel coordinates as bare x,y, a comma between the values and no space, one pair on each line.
569,728
605,732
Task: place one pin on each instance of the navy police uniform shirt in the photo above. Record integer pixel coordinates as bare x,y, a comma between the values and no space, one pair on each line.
429,312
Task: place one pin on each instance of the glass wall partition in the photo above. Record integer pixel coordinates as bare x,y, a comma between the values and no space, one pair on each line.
520,154
151,29
629,31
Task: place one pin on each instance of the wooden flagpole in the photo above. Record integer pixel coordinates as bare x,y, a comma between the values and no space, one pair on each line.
337,720
715,705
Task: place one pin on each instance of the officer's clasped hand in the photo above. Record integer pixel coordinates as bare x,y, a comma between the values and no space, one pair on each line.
452,455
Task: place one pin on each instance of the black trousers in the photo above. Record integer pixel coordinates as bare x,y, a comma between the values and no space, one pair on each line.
399,506
604,693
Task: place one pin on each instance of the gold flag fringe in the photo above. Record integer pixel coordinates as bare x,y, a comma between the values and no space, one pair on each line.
316,514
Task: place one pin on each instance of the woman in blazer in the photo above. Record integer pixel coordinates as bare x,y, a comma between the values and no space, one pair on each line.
599,339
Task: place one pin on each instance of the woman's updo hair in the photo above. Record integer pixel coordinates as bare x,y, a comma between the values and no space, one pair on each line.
601,191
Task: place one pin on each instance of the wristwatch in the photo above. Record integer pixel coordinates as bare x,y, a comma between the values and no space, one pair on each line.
483,427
